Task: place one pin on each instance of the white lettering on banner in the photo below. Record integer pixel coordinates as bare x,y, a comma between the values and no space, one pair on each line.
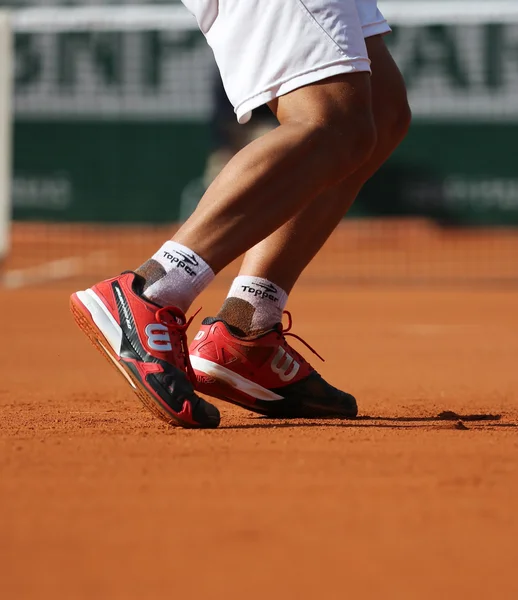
49,192
481,194
466,72
462,192
149,75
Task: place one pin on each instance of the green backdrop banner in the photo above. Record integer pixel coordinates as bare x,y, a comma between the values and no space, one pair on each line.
105,171
151,172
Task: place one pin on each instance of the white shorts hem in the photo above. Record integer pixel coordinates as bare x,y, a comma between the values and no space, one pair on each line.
244,109
378,28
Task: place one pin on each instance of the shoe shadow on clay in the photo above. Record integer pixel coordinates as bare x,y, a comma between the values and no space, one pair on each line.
450,419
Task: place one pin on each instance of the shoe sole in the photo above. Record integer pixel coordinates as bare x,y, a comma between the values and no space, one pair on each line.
232,387
85,322
236,389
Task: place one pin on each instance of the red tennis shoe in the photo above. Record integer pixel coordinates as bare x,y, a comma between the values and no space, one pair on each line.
263,373
147,344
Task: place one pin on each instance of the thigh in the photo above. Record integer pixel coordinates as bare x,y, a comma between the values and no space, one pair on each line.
343,103
389,96
268,48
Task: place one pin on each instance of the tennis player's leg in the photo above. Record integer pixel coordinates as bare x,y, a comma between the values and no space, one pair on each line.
283,255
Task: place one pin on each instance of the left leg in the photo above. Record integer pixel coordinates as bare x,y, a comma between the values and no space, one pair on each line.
283,255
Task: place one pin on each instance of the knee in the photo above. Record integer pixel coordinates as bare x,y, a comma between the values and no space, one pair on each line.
345,141
359,130
396,123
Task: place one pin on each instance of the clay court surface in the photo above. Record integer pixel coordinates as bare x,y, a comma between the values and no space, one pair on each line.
416,499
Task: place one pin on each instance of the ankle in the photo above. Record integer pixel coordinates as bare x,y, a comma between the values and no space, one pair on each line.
174,276
253,305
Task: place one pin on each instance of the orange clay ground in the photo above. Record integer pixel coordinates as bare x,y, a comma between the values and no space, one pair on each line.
100,500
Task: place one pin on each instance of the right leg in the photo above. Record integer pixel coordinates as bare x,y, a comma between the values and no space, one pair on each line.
285,253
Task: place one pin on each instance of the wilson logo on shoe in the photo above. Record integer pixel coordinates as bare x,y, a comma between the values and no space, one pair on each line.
158,337
284,365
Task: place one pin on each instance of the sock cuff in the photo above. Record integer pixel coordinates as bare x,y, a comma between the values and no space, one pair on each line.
174,255
203,279
245,286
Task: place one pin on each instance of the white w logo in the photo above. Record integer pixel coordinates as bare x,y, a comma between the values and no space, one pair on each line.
158,337
282,363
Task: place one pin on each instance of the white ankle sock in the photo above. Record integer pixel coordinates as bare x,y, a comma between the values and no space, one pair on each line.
267,298
186,276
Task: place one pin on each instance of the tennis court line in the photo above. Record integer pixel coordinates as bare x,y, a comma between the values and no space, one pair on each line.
47,272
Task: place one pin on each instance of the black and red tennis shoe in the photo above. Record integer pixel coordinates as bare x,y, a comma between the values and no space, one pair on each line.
263,373
147,344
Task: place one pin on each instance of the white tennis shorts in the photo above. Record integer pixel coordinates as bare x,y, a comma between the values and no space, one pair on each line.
267,48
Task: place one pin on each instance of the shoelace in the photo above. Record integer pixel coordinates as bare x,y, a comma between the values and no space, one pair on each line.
285,331
175,321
